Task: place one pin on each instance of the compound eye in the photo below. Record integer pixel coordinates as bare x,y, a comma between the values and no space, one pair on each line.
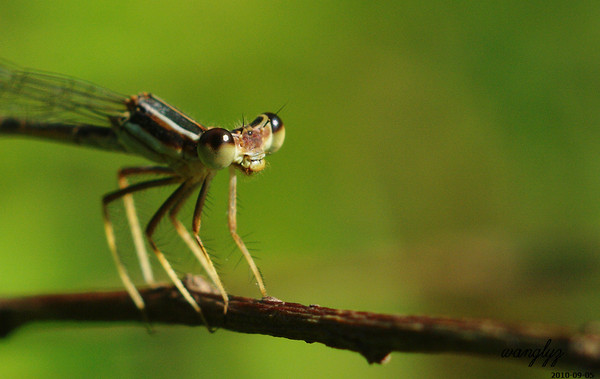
278,132
216,148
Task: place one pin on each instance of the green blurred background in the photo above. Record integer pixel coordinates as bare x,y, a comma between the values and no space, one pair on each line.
441,158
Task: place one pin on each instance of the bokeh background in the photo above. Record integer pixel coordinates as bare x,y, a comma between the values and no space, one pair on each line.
442,158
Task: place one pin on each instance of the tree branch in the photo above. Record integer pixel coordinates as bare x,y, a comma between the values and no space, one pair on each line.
370,334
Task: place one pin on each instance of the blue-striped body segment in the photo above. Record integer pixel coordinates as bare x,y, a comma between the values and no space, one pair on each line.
158,131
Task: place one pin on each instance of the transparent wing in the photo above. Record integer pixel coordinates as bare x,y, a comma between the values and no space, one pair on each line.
42,96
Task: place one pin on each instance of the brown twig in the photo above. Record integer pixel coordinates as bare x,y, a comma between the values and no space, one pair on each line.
372,335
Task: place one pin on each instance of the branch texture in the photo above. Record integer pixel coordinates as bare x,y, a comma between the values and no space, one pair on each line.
373,335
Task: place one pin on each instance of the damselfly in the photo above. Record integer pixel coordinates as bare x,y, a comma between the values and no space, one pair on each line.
65,109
